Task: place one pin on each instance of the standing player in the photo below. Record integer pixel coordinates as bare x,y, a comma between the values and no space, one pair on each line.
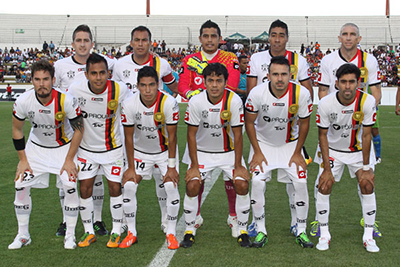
370,77
344,119
51,148
67,71
191,82
277,122
101,146
150,120
214,140
299,73
126,70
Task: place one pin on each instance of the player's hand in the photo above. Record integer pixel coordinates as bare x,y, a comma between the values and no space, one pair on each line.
154,54
22,167
326,180
242,172
130,175
172,176
192,173
397,110
368,176
298,159
70,167
257,160
191,93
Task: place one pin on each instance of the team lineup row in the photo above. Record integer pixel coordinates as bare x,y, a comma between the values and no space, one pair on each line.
277,122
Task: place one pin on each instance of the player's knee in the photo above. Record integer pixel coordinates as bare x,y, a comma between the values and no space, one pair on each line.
241,186
326,189
114,189
193,188
366,187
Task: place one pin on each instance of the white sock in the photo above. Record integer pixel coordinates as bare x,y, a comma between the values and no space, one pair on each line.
23,208
116,213
161,194
242,211
190,206
86,211
172,206
315,197
98,198
369,213
301,200
61,194
323,214
258,203
71,209
130,205
290,192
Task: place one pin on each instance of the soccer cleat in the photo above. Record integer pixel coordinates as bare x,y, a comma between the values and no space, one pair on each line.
261,240
86,240
302,240
172,242
307,157
315,231
252,229
244,239
128,241
20,241
188,239
323,243
69,242
198,222
61,229
293,230
100,228
378,160
370,245
164,227
232,223
114,241
376,232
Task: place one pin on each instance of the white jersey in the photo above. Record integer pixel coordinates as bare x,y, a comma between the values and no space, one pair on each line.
101,115
367,63
50,123
276,122
344,123
150,135
68,70
126,71
259,62
215,122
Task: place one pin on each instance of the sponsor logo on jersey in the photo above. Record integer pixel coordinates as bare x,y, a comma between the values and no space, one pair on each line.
213,126
151,136
278,104
279,128
310,108
338,127
318,118
48,134
198,80
116,170
276,119
175,116
241,117
46,126
151,113
44,111
147,128
97,99
347,111
214,109
82,160
96,124
215,134
123,118
374,117
249,105
186,116
302,175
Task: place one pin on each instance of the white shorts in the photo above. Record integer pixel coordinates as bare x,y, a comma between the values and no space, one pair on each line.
338,160
147,164
278,158
110,163
44,161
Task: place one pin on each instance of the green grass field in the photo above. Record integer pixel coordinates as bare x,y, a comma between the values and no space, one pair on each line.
214,245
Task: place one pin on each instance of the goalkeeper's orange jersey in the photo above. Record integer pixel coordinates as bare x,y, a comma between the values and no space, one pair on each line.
191,75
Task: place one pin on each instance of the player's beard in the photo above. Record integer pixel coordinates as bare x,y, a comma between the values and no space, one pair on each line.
44,95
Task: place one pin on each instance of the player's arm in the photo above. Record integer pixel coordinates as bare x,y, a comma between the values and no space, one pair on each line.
307,84
322,91
172,174
240,170
173,87
19,144
398,100
130,173
258,157
297,158
184,81
234,74
193,171
326,179
376,92
251,83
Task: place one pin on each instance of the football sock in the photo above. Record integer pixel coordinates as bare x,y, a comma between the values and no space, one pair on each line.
190,205
23,208
86,211
130,205
199,199
242,210
231,194
98,198
315,197
323,214
258,203
172,206
71,209
61,194
369,213
377,145
161,194
301,200
290,192
116,213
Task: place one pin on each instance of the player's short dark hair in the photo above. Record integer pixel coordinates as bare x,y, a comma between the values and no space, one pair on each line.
141,29
348,68
93,59
279,24
242,57
82,28
43,65
279,60
210,24
216,68
147,71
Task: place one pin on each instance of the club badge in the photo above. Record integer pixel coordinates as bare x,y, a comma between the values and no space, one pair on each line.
159,117
60,116
293,108
112,104
358,116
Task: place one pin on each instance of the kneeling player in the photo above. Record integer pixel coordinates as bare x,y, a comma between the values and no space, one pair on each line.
345,119
215,120
150,120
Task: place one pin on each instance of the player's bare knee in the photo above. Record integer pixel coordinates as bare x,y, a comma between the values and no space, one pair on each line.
241,187
366,187
193,188
326,189
114,189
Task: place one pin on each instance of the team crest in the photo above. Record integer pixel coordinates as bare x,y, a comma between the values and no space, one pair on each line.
81,101
159,117
112,104
293,69
138,116
364,72
204,114
332,117
293,108
358,116
264,67
60,116
71,74
226,115
198,80
264,107
126,73
31,115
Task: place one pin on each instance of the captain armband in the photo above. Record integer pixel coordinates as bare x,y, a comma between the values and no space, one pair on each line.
19,144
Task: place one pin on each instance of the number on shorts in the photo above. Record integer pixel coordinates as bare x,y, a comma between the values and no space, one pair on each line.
140,165
84,167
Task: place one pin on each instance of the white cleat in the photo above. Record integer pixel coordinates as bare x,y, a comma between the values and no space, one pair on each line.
20,241
370,245
232,223
69,242
323,243
199,222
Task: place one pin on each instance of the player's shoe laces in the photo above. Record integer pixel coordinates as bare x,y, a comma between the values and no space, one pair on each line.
323,243
69,242
188,239
114,240
302,240
198,222
61,229
252,229
20,241
370,245
376,232
261,240
315,231
293,230
232,223
86,240
100,228
244,239
128,241
172,242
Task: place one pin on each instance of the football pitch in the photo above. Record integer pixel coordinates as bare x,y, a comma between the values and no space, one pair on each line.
214,244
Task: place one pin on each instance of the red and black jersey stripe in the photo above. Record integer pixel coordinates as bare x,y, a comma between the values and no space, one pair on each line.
159,108
59,99
226,105
357,125
112,95
293,99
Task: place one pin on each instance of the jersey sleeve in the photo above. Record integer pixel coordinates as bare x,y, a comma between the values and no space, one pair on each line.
322,114
369,112
251,105
171,111
167,76
323,76
127,116
251,71
237,118
71,107
305,105
18,110
184,79
191,116
303,72
234,73
374,76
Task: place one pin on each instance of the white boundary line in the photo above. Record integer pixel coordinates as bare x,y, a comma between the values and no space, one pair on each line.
164,255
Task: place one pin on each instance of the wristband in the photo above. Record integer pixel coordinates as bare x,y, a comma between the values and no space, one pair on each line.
19,144
171,163
365,167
